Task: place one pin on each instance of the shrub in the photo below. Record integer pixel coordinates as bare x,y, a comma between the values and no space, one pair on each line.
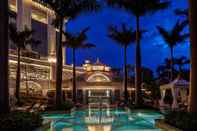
182,120
67,105
20,121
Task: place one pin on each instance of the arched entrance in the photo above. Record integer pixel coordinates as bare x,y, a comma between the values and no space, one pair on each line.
98,89
98,77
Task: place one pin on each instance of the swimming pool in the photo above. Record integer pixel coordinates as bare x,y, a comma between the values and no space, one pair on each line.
104,120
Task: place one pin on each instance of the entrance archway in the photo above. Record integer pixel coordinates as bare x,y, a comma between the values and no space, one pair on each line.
98,77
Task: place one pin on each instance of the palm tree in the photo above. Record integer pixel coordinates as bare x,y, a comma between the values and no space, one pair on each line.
180,62
193,33
66,9
20,39
123,37
4,91
138,8
172,38
76,41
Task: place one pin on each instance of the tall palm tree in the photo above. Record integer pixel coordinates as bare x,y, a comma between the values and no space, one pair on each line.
66,9
20,39
180,62
123,37
138,8
76,41
193,38
4,91
172,38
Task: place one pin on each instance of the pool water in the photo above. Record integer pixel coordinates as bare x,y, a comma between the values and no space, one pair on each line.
104,120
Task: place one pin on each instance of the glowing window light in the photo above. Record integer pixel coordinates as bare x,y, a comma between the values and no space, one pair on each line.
108,93
89,93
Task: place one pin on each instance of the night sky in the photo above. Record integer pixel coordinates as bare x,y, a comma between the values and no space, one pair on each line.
154,50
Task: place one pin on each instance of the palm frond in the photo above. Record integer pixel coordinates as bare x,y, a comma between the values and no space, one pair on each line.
123,36
174,36
21,38
139,7
77,40
155,5
179,27
165,35
77,7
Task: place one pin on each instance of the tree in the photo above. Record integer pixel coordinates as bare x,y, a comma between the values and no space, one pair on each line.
193,33
66,9
76,41
4,91
180,62
173,37
20,39
138,8
123,37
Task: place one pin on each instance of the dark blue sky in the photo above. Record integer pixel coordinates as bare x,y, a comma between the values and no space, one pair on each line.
153,47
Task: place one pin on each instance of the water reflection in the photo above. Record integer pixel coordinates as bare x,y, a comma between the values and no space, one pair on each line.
103,120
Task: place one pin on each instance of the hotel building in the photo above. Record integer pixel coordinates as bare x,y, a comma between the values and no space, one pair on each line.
38,71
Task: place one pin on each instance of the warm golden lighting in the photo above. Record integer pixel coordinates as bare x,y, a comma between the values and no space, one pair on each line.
95,67
52,60
100,128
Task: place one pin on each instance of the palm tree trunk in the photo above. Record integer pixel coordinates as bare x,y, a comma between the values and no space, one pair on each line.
138,79
181,68
172,63
74,77
4,91
18,76
125,76
59,68
193,34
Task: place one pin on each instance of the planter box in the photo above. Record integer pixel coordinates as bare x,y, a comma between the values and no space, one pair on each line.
159,123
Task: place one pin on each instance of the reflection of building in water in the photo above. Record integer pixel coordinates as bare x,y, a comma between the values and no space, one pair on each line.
38,64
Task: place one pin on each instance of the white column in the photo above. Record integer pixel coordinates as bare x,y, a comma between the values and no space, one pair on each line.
64,55
24,16
163,93
64,39
51,36
51,39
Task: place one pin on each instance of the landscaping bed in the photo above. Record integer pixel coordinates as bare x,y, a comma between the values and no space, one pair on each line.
20,121
177,121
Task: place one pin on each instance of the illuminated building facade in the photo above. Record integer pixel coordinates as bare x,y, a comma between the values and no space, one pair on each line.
98,84
38,72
